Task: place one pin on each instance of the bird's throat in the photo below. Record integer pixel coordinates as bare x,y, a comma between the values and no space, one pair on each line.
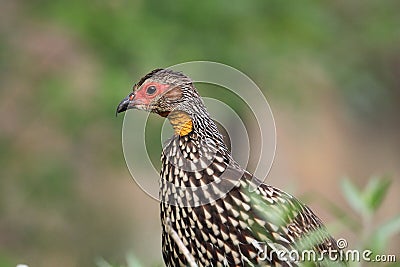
181,122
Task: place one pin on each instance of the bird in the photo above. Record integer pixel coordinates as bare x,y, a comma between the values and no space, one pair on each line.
214,212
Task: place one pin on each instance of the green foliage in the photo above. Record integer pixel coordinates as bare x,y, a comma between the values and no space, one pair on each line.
283,213
354,196
365,203
5,260
363,221
131,261
375,192
384,232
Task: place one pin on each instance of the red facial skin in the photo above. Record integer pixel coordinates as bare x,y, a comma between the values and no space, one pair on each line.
143,98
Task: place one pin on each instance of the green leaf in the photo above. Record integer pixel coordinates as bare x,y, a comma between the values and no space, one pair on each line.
383,233
338,212
354,197
375,192
100,262
133,261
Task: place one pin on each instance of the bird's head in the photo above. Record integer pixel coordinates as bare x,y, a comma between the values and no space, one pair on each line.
168,93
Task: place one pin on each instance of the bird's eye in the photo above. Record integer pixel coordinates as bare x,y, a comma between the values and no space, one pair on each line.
151,90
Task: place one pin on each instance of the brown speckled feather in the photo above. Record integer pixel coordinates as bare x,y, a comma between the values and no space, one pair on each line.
222,215
235,229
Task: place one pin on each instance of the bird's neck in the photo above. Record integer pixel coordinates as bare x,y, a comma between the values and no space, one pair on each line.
196,120
195,160
181,122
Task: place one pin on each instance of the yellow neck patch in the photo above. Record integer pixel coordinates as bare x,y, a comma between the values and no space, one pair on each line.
181,122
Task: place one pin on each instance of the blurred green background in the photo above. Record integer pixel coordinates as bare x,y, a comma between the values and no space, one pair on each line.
330,70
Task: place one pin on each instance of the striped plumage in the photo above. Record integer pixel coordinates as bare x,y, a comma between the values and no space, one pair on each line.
221,213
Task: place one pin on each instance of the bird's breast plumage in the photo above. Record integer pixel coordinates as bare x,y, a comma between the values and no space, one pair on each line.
208,200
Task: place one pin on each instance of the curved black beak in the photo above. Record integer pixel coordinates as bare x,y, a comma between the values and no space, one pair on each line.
124,104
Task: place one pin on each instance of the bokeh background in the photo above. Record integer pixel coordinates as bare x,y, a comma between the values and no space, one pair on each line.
330,70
